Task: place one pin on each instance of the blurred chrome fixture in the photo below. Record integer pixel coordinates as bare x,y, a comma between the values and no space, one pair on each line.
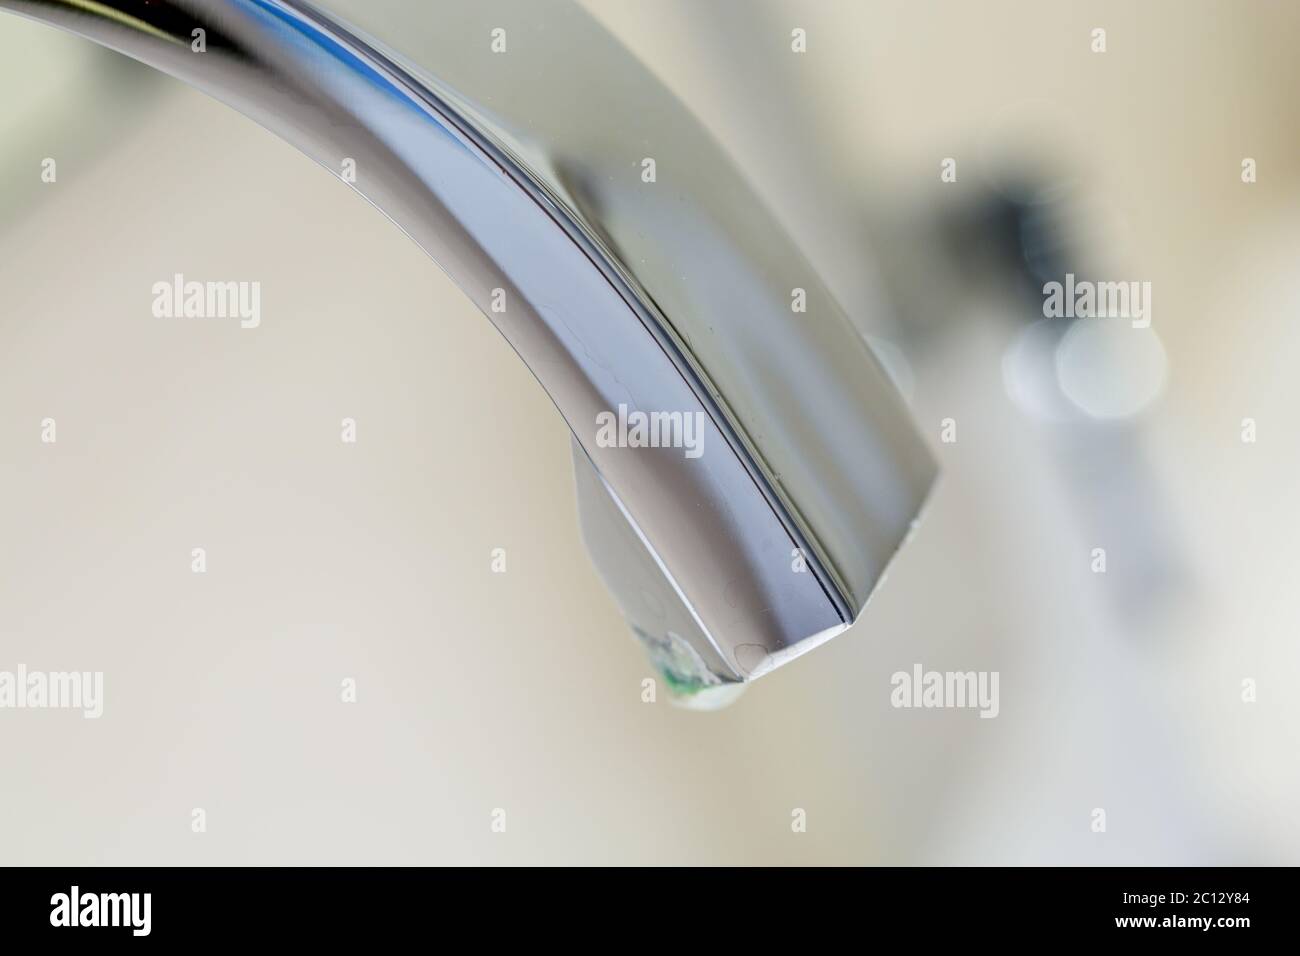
600,228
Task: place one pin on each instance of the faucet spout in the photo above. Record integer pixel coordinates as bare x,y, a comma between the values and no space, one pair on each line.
745,468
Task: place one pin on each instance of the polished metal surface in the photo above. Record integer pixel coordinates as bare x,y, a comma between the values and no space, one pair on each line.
510,140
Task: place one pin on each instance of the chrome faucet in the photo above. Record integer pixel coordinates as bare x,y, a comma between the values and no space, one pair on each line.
745,468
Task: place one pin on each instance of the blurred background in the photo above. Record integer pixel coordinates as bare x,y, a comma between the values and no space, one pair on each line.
522,691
